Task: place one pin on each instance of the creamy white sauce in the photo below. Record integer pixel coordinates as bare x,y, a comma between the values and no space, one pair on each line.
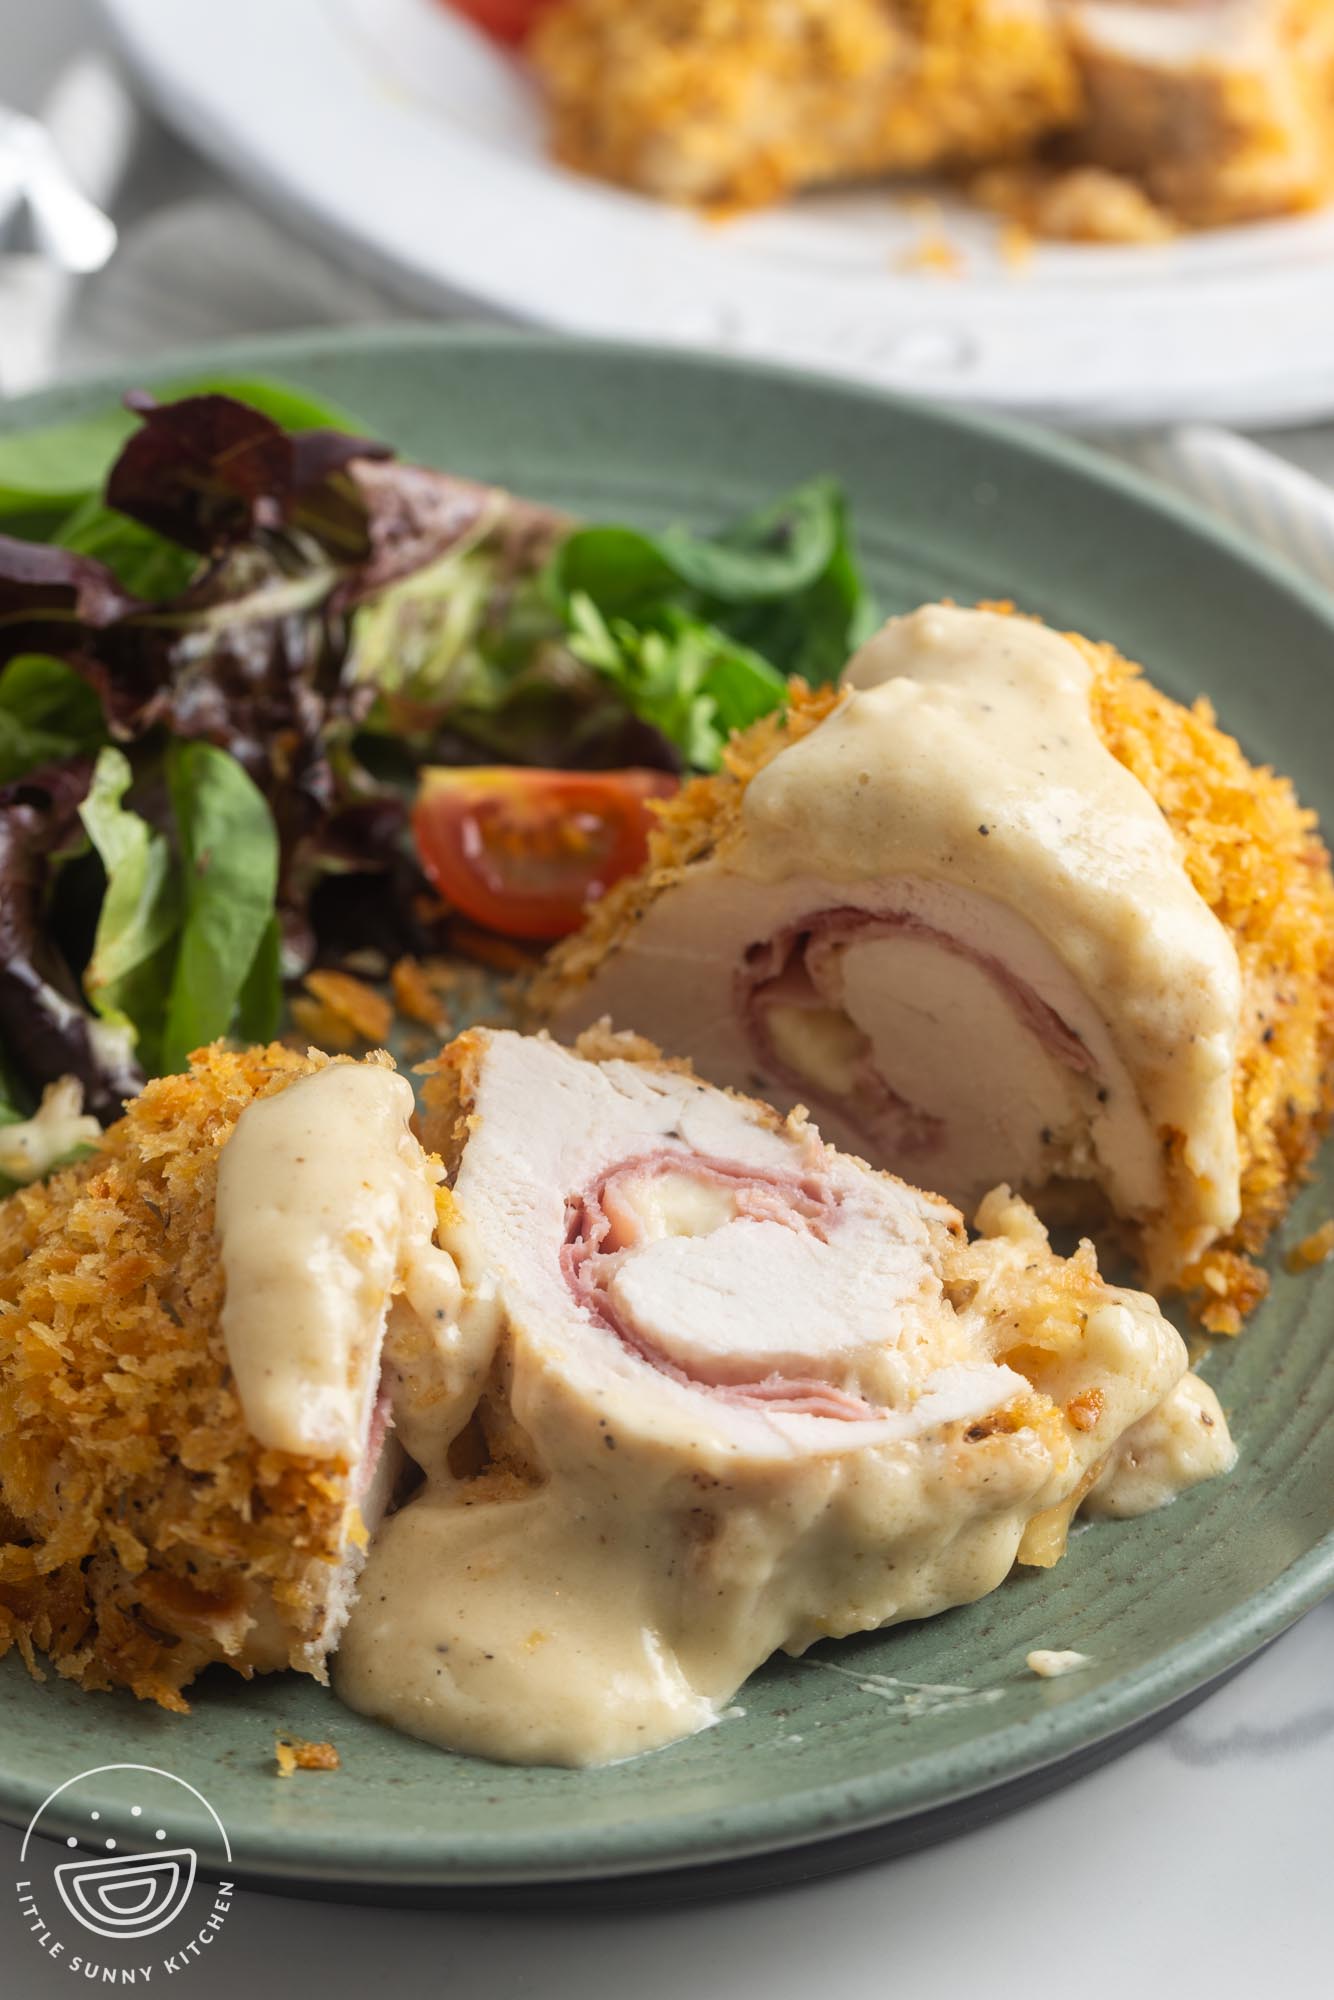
1179,1445
961,804
962,720
326,1210
673,1538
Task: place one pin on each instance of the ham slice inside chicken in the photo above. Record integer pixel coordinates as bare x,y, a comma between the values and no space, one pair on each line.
801,994
655,1243
926,1027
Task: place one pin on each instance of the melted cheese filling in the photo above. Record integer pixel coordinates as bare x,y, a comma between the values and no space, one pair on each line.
966,752
649,1207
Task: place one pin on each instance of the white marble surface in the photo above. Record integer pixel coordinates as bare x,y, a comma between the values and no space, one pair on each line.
1203,1858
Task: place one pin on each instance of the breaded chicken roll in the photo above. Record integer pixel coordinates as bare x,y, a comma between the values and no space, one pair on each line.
998,910
710,101
193,1426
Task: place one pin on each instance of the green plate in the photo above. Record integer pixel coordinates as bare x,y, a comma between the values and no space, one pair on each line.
836,1745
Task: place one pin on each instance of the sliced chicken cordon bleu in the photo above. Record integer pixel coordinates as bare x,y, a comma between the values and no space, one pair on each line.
193,1441
747,1394
1096,119
1223,110
699,102
996,909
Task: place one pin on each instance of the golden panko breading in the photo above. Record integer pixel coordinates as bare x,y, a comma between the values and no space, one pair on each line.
1251,850
1097,123
713,102
298,1753
1256,858
143,1532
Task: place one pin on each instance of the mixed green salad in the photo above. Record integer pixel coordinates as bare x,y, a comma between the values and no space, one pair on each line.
233,635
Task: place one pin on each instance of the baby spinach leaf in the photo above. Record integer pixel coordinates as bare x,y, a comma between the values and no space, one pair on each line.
54,466
813,632
776,553
783,583
618,569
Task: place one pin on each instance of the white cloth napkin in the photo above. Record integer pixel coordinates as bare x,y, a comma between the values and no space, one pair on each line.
1271,501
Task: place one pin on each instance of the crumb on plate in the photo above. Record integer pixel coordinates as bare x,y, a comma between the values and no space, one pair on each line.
299,1753
1314,1249
351,1001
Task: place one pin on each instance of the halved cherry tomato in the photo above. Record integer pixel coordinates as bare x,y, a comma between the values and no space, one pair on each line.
523,851
507,20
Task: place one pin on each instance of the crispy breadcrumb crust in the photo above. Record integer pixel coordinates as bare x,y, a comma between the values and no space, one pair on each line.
712,102
1255,855
731,105
1251,850
143,1532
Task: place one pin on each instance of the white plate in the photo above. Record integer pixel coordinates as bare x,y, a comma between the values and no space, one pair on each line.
402,135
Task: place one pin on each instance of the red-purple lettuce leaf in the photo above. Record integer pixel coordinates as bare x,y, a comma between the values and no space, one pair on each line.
252,656
208,471
45,1029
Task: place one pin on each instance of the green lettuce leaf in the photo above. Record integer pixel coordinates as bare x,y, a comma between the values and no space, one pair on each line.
143,562
688,680
779,591
259,1007
229,856
48,473
47,713
128,976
